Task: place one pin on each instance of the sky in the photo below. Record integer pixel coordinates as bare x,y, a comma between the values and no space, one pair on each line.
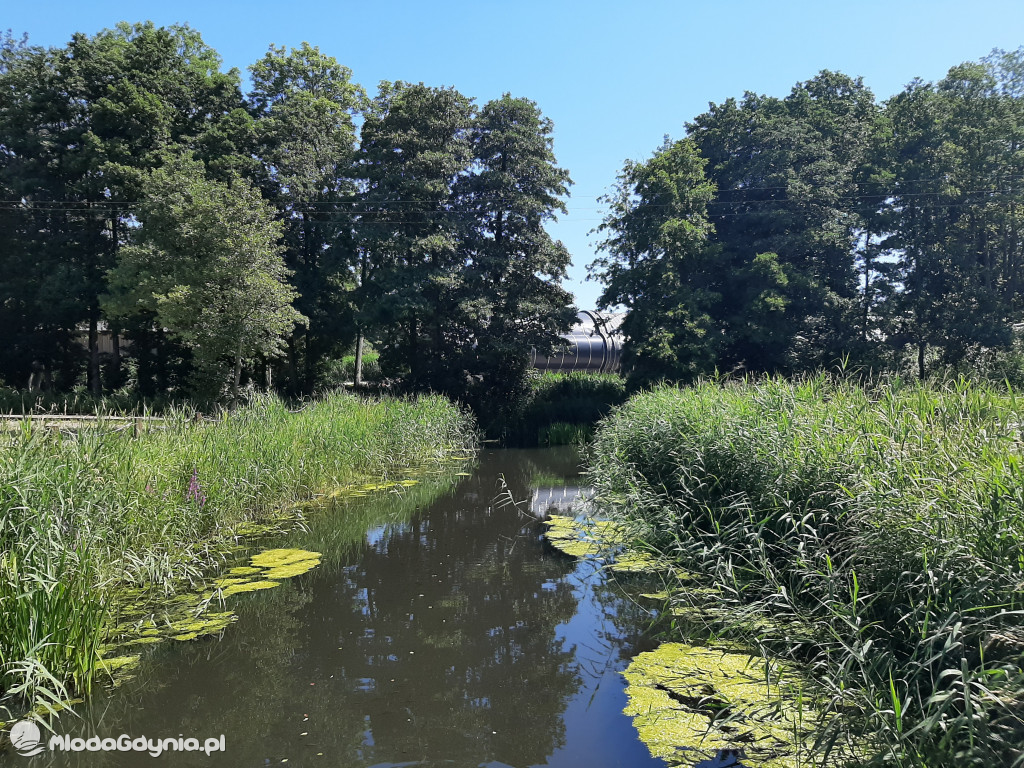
615,77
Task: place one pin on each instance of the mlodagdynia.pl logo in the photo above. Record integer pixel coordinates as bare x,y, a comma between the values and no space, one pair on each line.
27,740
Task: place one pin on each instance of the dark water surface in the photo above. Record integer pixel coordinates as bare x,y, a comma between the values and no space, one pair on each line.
449,634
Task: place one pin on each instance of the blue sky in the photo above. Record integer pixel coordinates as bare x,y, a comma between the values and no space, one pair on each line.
615,77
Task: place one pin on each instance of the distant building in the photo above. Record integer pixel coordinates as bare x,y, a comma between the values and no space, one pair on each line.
594,344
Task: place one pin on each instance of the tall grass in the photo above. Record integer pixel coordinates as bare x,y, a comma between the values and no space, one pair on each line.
85,512
874,534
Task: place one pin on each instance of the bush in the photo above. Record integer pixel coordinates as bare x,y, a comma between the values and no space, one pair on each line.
578,399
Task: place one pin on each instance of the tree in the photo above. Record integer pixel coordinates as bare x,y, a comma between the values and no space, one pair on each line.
956,208
414,144
207,263
305,103
80,127
508,299
787,174
660,265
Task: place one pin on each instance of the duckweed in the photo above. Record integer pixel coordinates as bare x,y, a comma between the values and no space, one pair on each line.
248,586
688,701
206,625
637,562
285,563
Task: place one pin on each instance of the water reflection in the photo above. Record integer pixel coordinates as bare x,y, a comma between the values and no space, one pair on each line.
449,634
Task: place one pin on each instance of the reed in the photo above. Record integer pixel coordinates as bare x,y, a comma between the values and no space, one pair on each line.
872,532
83,513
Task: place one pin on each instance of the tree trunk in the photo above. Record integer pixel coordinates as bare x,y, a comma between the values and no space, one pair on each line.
161,360
94,357
921,346
115,339
358,382
236,379
309,369
414,351
358,378
293,366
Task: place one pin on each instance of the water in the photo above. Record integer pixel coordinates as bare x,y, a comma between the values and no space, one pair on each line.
449,634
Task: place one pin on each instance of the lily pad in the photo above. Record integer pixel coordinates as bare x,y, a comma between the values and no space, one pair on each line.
688,702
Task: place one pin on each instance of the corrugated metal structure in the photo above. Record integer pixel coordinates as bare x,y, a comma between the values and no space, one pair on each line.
594,344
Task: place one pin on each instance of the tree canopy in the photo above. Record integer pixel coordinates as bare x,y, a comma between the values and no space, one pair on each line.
224,235
825,228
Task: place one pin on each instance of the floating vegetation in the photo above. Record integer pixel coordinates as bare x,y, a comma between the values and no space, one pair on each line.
637,562
569,536
208,624
248,586
244,570
687,702
285,563
589,537
184,617
160,509
118,669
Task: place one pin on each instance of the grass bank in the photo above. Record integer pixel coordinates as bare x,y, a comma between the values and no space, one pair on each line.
84,513
873,534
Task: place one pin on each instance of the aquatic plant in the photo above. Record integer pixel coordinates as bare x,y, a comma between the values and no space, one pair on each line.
687,702
869,532
87,514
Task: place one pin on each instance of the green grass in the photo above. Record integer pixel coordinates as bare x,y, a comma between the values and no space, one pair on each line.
874,534
86,512
79,401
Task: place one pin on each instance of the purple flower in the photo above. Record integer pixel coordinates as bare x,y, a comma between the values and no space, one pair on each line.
195,491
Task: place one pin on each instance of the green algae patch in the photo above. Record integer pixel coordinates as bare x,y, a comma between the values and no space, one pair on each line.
574,537
248,586
118,663
208,624
590,537
637,562
285,563
689,701
244,570
118,669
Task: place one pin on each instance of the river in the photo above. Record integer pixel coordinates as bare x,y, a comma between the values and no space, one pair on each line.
439,630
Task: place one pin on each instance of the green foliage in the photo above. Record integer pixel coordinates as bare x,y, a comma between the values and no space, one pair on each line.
207,265
884,520
575,400
343,371
561,433
84,513
953,151
414,142
305,103
79,401
81,125
825,227
425,236
660,265
510,300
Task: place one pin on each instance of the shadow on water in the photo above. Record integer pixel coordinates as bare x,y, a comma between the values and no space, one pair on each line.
440,630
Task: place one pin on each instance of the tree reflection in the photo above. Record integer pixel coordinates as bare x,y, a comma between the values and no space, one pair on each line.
436,642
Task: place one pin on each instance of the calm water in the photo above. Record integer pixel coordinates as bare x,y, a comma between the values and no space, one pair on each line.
439,631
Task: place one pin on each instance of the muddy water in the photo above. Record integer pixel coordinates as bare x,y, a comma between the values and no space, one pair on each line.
437,632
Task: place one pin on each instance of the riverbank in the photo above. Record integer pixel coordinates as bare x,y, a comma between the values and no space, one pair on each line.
873,536
89,512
